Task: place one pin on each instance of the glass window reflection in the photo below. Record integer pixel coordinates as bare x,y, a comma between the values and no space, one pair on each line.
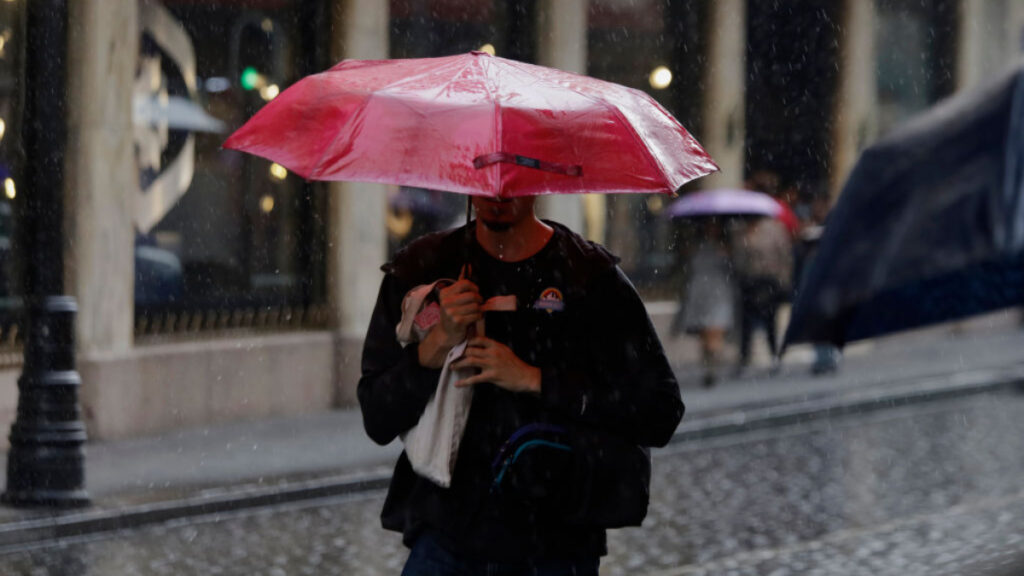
11,160
246,234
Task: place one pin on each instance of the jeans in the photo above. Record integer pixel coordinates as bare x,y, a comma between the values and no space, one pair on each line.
826,359
429,558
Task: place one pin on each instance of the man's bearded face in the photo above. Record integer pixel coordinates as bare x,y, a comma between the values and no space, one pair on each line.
501,214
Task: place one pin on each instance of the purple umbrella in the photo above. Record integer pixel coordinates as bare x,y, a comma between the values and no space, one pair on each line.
725,202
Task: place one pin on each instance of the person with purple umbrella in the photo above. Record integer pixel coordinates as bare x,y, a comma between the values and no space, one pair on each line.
763,258
707,308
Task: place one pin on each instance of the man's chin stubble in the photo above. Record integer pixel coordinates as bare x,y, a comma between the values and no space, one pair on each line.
497,226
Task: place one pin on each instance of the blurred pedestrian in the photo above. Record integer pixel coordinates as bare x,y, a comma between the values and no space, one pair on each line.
764,180
570,388
709,299
826,354
763,260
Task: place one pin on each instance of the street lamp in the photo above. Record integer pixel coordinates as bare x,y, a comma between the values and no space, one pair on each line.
46,462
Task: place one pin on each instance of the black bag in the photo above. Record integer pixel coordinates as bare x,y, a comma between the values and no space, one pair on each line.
575,475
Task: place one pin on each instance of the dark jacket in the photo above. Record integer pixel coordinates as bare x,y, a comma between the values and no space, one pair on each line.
602,366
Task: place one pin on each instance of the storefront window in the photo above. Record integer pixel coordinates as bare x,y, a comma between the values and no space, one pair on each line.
244,234
915,60
11,164
429,28
792,55
631,43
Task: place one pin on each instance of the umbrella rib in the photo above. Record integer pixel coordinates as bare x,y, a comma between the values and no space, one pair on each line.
338,134
447,84
486,88
659,169
399,82
498,140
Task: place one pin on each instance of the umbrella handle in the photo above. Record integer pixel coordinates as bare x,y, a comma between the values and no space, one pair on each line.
468,240
477,329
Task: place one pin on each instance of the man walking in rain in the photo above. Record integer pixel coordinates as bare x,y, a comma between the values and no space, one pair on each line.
569,386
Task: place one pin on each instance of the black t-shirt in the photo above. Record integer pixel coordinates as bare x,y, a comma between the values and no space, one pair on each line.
535,332
533,329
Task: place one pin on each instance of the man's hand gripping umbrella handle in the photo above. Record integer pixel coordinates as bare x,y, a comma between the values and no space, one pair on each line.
461,318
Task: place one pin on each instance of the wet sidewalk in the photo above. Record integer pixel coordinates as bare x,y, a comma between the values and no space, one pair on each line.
240,465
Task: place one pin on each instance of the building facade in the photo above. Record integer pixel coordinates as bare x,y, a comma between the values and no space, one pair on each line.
215,286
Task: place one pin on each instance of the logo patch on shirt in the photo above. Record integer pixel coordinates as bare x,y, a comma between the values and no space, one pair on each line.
550,300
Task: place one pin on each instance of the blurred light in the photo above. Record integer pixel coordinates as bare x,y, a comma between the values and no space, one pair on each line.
251,78
660,78
9,189
217,84
268,93
278,172
152,72
267,25
489,48
267,204
3,128
655,204
399,223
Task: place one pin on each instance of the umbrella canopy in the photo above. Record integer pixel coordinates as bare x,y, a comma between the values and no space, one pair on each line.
474,124
929,227
724,202
732,202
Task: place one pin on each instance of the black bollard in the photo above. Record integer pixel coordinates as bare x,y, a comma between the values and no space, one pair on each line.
46,462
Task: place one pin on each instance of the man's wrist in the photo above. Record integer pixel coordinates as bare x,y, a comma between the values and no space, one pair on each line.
533,380
433,349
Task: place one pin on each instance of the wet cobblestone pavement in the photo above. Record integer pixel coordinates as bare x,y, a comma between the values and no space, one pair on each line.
930,489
